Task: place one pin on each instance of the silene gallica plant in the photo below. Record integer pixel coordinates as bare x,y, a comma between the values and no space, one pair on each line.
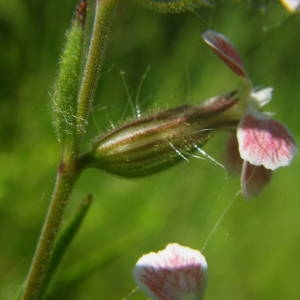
257,146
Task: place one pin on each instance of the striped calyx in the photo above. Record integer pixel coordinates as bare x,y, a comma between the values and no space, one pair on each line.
154,143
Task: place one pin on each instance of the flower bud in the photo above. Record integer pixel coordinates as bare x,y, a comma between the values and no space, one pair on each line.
151,144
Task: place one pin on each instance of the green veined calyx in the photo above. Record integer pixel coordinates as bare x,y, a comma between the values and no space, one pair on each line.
156,142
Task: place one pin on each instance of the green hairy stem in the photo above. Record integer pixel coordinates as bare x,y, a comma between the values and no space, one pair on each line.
104,10
71,108
65,92
171,6
37,273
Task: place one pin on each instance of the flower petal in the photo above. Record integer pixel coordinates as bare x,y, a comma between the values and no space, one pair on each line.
232,158
265,142
172,274
262,96
225,50
253,179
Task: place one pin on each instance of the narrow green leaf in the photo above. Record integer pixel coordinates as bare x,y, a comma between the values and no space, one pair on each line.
66,236
81,271
94,261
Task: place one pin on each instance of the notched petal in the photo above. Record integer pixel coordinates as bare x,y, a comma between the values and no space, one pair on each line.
172,273
263,141
253,179
225,50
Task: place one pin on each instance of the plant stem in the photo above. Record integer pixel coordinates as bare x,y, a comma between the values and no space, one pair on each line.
66,177
104,10
65,237
69,169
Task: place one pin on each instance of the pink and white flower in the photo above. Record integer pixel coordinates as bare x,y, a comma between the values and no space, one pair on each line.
260,144
175,273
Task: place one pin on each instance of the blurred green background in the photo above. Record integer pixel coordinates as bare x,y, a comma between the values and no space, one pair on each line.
254,253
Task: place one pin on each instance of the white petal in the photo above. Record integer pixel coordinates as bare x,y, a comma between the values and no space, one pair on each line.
172,274
262,96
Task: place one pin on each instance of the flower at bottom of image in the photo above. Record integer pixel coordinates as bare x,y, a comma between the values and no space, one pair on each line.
175,273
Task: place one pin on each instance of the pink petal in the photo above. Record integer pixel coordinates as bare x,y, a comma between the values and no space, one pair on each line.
253,179
232,158
172,274
265,142
225,50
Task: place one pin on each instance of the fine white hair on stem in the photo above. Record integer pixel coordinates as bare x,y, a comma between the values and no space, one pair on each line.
138,92
210,158
129,96
133,99
110,122
178,152
68,118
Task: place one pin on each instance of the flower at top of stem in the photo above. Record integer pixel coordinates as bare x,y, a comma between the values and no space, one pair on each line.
153,143
260,144
175,273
